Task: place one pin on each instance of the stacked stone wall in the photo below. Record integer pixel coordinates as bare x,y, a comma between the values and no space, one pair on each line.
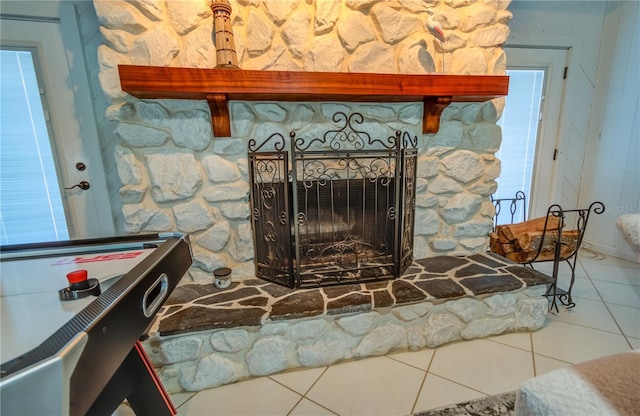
176,176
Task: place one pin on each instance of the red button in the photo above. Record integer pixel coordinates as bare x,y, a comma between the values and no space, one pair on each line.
78,276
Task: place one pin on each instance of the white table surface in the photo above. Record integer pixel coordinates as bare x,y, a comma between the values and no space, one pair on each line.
30,309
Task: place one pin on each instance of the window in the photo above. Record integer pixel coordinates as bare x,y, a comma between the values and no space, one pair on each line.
519,122
31,207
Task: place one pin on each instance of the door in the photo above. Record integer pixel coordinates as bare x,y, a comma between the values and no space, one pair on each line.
530,123
45,146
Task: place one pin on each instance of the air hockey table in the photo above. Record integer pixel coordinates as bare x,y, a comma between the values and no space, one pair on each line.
66,351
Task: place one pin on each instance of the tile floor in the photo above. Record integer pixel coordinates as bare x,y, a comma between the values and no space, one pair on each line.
606,320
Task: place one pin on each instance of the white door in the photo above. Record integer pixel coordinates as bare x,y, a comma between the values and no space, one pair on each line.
536,89
66,113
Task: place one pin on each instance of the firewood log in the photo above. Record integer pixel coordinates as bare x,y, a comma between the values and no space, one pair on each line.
508,248
529,243
494,244
515,256
511,232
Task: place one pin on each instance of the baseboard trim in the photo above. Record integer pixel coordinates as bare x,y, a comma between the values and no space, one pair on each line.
612,251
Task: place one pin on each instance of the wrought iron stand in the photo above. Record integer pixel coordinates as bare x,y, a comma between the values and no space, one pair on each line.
582,217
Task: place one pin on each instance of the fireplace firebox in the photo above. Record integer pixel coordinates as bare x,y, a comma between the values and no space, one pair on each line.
336,209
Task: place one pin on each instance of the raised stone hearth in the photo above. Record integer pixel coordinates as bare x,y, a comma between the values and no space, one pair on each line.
205,337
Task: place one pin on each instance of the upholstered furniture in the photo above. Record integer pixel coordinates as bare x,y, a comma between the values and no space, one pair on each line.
605,386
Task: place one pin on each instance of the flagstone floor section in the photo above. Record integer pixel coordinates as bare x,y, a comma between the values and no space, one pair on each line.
606,320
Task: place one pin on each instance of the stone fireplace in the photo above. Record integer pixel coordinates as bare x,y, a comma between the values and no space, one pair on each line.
171,173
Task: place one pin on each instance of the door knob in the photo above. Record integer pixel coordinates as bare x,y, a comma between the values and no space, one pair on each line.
84,185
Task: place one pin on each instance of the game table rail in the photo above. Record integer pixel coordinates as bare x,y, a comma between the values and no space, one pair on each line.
93,361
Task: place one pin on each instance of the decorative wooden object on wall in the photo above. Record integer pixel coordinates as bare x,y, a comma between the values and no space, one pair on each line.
225,45
219,86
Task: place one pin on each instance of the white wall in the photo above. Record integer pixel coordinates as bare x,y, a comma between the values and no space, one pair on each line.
91,38
601,90
576,25
612,172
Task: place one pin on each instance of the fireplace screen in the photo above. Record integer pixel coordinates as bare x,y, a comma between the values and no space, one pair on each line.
333,210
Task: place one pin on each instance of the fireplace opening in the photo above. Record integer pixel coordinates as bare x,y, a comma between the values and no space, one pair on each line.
333,210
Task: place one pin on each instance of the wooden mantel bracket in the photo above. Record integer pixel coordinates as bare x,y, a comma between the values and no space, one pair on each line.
219,86
433,107
220,120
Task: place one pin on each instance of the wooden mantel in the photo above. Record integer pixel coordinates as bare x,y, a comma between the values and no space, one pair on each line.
219,86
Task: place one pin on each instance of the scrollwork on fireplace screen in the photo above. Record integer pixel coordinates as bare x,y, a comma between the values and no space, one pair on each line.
337,209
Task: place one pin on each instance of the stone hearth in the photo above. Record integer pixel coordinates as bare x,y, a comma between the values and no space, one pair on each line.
205,337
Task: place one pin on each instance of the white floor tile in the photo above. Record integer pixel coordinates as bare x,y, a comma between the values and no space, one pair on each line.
483,365
589,313
601,272
584,288
124,410
179,398
299,381
546,364
563,269
587,254
373,386
575,343
437,392
418,359
308,408
619,294
564,281
628,318
260,396
580,270
587,260
457,372
521,340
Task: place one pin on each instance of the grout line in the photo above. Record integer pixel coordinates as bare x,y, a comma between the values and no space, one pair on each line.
283,385
460,384
556,359
558,319
484,339
597,329
533,356
310,387
316,382
508,345
390,355
312,401
193,394
424,379
415,402
435,351
607,306
295,405
615,283
320,405
304,396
